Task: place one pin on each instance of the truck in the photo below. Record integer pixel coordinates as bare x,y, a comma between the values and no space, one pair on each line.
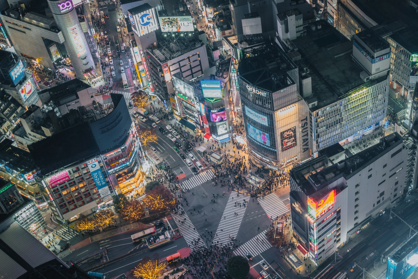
142,111
157,240
142,234
154,118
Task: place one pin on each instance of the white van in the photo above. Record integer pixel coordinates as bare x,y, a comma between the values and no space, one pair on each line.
199,165
169,128
188,162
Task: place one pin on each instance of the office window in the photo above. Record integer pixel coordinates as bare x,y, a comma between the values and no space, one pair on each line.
384,174
370,176
370,170
358,192
356,218
396,152
385,165
381,183
357,185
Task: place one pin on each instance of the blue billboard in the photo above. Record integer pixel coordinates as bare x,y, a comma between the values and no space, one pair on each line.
211,88
403,261
261,137
17,73
97,175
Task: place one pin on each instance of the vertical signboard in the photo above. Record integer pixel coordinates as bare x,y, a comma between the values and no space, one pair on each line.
54,52
77,40
17,73
98,178
166,71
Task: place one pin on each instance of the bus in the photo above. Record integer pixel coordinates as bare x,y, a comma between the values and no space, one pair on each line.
140,235
217,159
124,80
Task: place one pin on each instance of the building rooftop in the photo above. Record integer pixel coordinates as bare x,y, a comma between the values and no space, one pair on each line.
9,107
142,8
375,42
318,173
16,158
63,93
326,58
169,48
295,7
407,38
223,68
405,249
267,69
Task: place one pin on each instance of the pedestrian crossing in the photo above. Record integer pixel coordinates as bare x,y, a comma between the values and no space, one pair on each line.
65,233
254,246
126,95
188,230
273,206
230,222
197,180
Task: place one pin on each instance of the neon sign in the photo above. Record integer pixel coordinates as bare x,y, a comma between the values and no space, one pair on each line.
317,209
65,6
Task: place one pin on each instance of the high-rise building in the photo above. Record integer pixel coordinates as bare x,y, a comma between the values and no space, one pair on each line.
334,195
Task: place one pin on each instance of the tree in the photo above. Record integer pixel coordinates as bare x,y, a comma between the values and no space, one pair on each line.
149,269
132,211
85,224
159,199
151,186
139,100
100,221
118,202
147,135
237,267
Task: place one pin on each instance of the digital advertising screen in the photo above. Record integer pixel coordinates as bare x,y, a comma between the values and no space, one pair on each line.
27,89
258,117
218,116
145,22
257,135
17,73
288,138
211,88
176,23
57,179
222,128
77,40
183,87
54,52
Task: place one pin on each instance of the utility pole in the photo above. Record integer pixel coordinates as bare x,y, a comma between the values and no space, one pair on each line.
364,271
410,227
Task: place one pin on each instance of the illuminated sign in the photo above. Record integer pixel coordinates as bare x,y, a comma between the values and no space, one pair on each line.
262,119
257,135
166,71
176,24
26,90
54,52
57,179
305,135
131,19
17,73
65,6
211,88
77,40
317,209
222,128
144,23
218,116
254,90
98,178
288,138
183,87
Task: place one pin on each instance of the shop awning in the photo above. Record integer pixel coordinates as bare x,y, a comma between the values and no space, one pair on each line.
207,136
187,124
304,252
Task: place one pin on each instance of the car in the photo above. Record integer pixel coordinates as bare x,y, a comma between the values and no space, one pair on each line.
199,165
161,129
121,62
175,148
154,125
142,119
112,68
122,70
173,139
153,148
109,51
264,265
264,274
188,162
182,156
174,132
177,144
169,128
194,170
118,28
249,256
191,156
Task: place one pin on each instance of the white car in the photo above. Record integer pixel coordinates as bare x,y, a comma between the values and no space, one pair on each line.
264,274
153,148
113,74
199,165
191,156
264,265
109,51
188,162
169,128
170,136
154,125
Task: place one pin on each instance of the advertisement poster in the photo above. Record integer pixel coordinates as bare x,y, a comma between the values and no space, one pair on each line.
17,73
317,209
57,179
145,22
98,177
288,138
257,135
176,24
262,119
211,88
183,87
166,71
222,128
54,52
26,89
218,116
77,40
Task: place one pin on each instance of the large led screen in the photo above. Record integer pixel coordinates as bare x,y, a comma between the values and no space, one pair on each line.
218,116
260,118
27,89
257,135
183,87
211,88
144,22
18,72
222,128
176,24
288,138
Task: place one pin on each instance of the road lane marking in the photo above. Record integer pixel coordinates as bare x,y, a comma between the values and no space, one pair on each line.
83,252
119,245
123,266
113,240
170,248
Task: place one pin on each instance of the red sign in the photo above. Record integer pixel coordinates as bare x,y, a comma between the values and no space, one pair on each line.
317,209
57,179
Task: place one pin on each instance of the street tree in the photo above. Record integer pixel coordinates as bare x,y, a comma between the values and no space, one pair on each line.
159,199
132,211
139,100
237,267
149,269
147,135
118,202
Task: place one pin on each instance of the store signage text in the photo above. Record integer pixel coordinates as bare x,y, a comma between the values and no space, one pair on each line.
305,135
317,209
65,6
252,89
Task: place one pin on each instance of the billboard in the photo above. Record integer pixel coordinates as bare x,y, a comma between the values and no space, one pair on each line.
98,178
288,138
27,89
57,179
317,209
176,24
222,128
211,88
257,135
54,52
112,131
77,40
260,118
144,22
166,70
65,6
17,73
183,87
218,116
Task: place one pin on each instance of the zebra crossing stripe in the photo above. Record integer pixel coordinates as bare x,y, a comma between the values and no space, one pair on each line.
197,180
273,206
187,229
230,223
254,246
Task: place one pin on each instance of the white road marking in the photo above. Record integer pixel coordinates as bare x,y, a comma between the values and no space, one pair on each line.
170,248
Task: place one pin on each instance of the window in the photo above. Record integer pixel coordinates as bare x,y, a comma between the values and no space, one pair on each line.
356,199
396,152
356,206
385,165
395,195
355,212
384,174
370,170
378,201
381,194
396,166
381,183
373,205
396,189
370,176
357,185
355,218
358,192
